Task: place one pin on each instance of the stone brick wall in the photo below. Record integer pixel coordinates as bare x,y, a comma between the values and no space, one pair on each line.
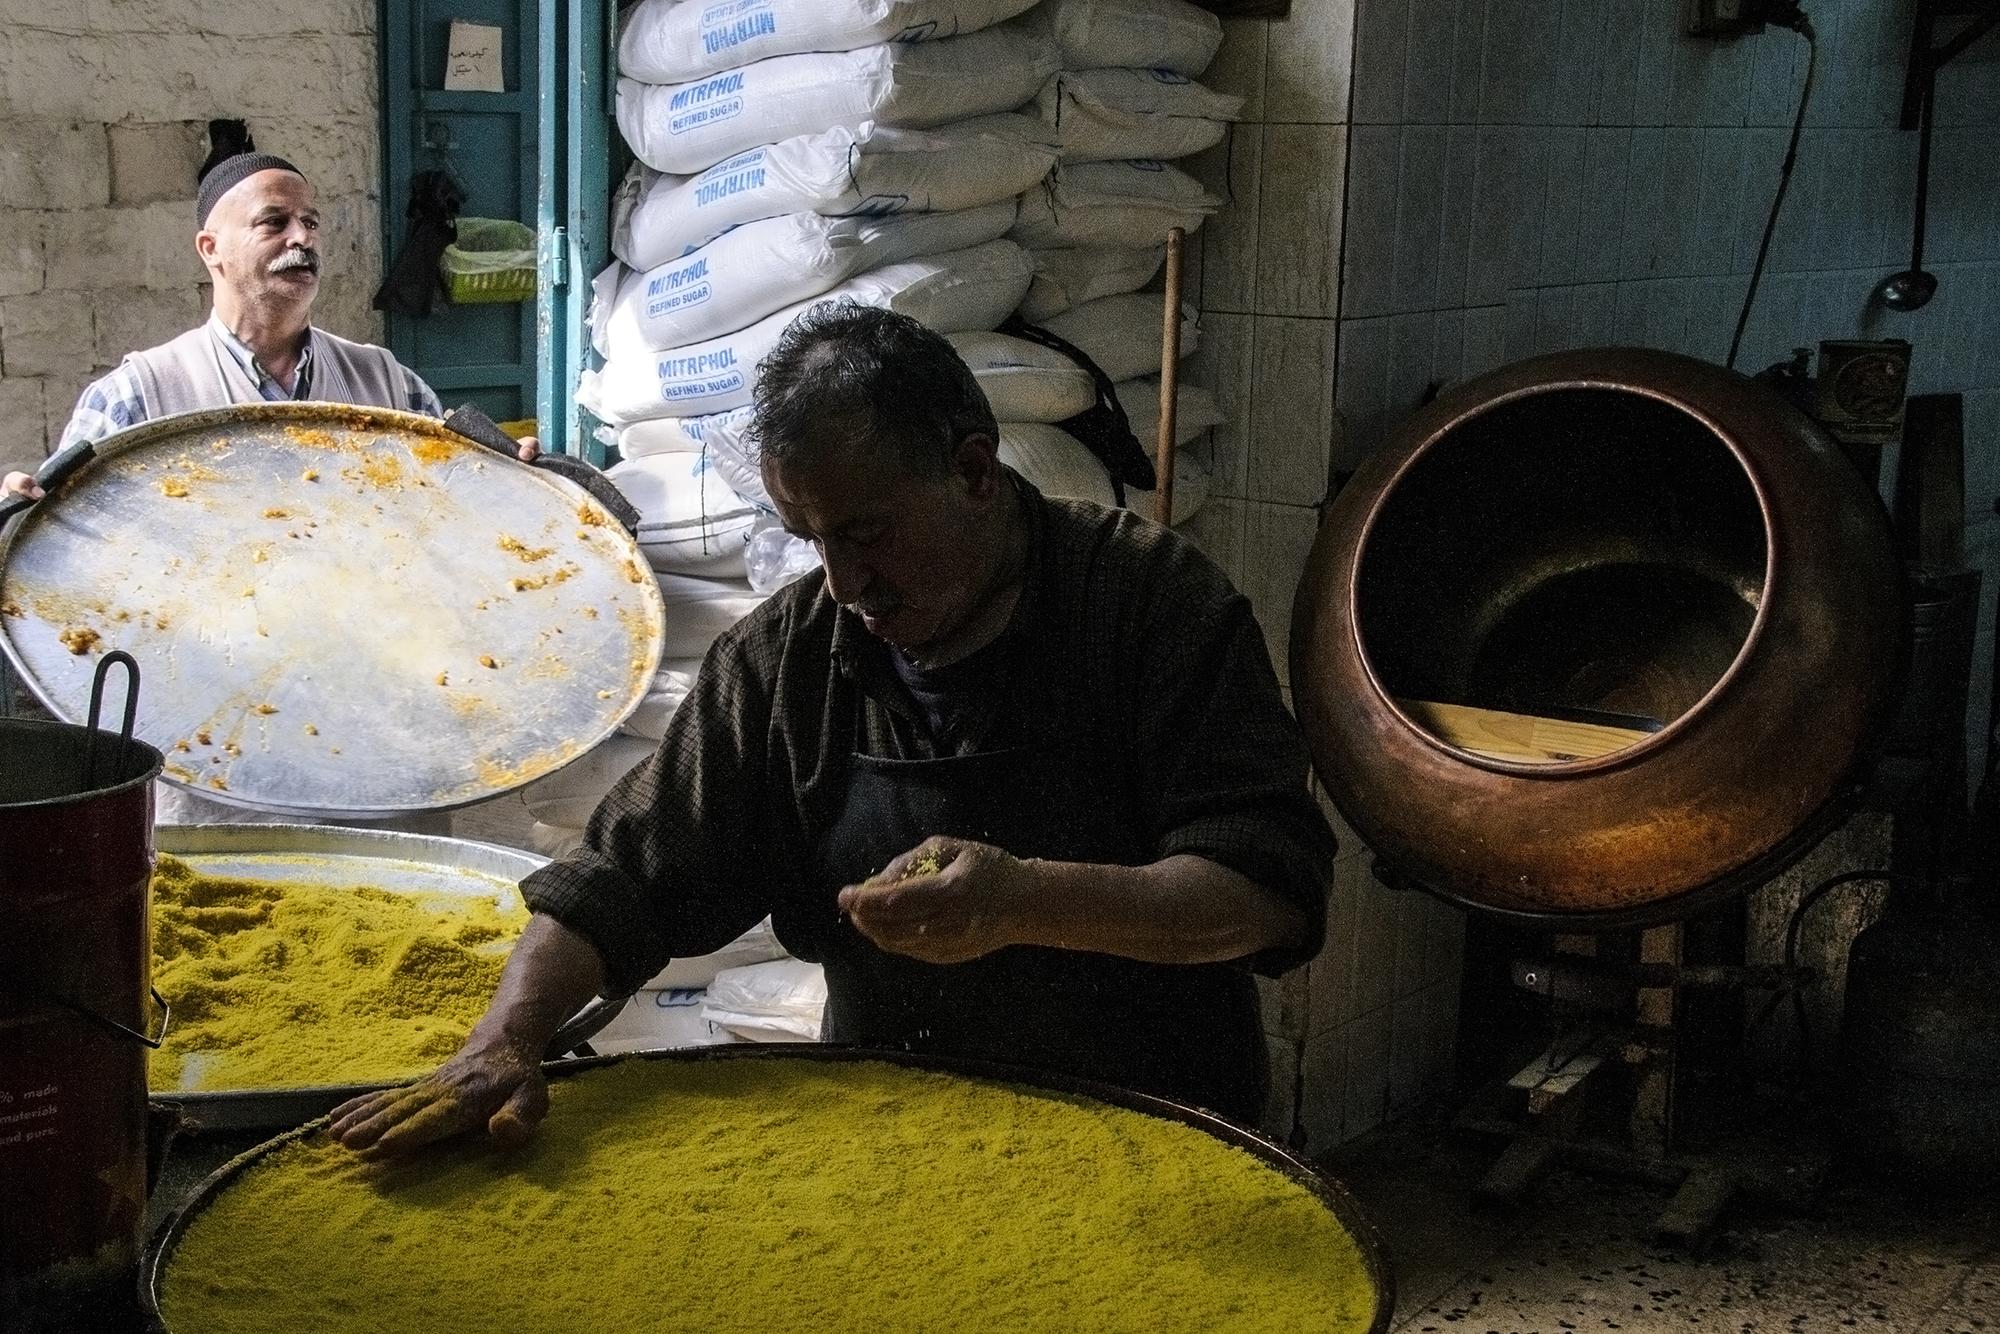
104,111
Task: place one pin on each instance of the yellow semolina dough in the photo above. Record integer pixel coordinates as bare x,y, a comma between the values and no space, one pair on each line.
286,985
778,1195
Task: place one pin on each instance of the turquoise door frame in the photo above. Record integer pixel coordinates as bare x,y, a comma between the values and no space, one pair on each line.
482,354
581,152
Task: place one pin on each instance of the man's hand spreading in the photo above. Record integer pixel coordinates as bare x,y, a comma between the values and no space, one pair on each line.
527,449
944,901
498,1088
495,1080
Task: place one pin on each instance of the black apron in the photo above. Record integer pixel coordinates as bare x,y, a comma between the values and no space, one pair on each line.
1189,1033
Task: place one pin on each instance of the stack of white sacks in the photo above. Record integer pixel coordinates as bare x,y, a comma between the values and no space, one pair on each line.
789,152
796,151
748,991
1124,104
955,160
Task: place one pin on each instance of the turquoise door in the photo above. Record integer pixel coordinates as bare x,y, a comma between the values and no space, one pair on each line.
581,158
482,354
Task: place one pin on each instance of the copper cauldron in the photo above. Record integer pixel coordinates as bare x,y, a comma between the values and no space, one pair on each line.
1595,638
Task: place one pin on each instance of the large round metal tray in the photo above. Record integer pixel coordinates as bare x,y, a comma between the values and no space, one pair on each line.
326,856
1330,1193
347,612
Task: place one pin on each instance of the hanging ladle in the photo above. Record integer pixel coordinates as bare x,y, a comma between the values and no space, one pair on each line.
1913,288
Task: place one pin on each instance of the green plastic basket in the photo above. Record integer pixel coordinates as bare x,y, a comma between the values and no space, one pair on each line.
492,260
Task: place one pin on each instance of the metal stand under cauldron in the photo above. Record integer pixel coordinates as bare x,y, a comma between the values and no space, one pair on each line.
1590,644
1557,1091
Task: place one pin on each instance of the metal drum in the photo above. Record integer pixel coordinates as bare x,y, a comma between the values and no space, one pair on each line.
1596,637
76,821
1920,1051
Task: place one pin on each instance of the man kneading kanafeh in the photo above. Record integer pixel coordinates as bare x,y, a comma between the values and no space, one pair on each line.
1015,770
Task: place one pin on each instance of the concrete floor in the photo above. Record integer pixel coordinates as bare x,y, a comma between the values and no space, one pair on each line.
1577,1255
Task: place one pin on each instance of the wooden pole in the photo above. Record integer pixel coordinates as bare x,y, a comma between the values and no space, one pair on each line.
1170,362
1653,1099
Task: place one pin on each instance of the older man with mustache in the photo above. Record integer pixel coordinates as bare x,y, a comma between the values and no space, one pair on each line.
259,239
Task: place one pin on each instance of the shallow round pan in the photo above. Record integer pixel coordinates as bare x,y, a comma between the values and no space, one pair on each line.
337,612
326,856
1330,1193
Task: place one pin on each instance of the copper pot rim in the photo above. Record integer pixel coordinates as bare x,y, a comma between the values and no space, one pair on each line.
1638,749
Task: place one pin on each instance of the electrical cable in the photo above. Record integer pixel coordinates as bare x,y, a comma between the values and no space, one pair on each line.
1793,929
1922,207
1795,19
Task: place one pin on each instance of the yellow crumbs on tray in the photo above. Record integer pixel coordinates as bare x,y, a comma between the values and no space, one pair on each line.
561,574
280,985
668,1196
432,450
519,548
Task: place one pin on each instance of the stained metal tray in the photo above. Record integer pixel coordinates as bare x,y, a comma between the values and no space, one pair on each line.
1330,1193
337,612
334,857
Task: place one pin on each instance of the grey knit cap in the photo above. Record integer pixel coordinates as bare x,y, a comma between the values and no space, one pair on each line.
231,172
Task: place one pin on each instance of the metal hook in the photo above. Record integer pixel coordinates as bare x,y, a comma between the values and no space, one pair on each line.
110,1025
438,143
122,658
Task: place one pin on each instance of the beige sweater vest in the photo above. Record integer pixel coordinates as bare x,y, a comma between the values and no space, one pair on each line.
196,371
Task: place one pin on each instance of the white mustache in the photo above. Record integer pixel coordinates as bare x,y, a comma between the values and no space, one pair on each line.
295,259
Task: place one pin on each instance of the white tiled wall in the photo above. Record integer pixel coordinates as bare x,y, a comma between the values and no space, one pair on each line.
1381,1003
1524,178
1268,284
1426,189
1367,1028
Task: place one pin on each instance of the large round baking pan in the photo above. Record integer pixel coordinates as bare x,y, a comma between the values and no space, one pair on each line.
1328,1192
339,612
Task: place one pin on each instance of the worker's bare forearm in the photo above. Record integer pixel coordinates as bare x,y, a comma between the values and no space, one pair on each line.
552,973
1182,909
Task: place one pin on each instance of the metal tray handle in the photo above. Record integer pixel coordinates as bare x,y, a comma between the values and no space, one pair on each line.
54,471
54,997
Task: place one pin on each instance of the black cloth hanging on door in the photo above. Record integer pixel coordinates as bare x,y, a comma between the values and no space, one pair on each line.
1103,427
226,139
413,280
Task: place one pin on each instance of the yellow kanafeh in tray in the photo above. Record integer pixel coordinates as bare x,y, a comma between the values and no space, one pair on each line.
781,1193
280,983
